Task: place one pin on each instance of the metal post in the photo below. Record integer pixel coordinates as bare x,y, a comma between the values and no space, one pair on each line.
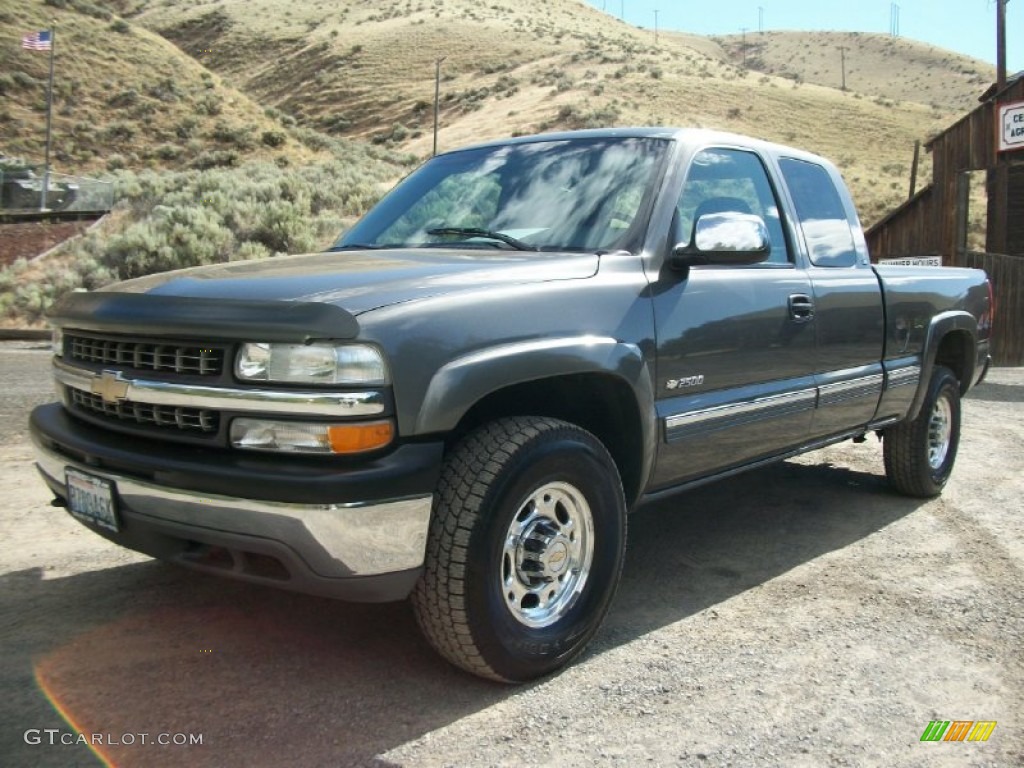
963,202
1001,45
49,119
913,168
760,19
842,57
655,26
437,96
622,10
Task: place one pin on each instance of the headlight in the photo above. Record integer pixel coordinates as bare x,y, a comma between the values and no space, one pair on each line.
350,364
300,437
57,341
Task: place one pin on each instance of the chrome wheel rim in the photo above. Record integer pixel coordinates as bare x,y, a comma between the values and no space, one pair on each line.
940,428
547,554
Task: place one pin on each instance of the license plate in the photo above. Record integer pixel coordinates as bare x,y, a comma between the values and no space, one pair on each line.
91,499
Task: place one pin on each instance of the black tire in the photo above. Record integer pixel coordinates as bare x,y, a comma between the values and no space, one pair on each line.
509,516
919,454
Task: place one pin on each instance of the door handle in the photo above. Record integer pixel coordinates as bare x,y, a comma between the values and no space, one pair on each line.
801,307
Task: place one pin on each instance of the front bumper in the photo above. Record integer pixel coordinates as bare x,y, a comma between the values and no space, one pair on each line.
356,534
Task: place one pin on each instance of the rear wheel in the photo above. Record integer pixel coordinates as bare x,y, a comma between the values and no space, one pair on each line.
919,454
525,548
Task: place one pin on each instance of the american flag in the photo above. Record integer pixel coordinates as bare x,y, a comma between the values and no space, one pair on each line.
38,41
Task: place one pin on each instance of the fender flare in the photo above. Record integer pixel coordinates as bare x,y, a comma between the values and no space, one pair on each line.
941,325
463,382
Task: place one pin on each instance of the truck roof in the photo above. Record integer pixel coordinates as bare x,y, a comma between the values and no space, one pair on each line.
698,136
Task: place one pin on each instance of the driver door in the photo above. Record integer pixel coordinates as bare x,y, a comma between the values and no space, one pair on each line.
736,345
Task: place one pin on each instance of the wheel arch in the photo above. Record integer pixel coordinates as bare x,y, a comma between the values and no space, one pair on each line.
951,342
599,384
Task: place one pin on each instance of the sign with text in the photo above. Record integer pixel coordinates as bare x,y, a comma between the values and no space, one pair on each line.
914,261
1011,126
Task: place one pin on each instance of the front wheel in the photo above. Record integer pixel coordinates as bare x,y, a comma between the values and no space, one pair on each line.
525,548
919,454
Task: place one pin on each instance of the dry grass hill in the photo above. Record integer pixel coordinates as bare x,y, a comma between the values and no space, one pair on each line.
365,70
893,68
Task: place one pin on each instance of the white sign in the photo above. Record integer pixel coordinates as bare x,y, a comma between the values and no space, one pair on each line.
1011,126
914,261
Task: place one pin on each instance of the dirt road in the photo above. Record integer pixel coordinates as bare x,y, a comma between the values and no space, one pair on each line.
802,615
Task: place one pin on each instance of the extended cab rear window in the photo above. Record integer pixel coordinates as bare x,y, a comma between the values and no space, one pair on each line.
827,230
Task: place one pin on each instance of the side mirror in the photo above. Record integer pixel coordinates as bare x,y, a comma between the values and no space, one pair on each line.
725,239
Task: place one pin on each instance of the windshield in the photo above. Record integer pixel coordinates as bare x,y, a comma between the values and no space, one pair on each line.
579,194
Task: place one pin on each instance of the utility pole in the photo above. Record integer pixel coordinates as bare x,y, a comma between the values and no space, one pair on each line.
743,45
655,26
1001,44
760,19
437,96
894,19
842,57
622,10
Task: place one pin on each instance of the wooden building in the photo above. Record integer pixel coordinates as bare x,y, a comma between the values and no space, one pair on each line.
934,221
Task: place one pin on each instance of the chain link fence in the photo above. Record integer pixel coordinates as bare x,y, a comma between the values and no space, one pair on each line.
22,191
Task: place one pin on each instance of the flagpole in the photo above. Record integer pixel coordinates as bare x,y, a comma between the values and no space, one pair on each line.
49,117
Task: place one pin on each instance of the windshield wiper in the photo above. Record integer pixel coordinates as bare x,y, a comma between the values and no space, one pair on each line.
356,247
519,245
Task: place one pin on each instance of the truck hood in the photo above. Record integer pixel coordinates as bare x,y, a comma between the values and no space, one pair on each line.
359,281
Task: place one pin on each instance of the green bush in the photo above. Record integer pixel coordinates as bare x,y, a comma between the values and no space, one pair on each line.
118,131
209,105
124,98
186,127
168,152
273,138
238,135
23,79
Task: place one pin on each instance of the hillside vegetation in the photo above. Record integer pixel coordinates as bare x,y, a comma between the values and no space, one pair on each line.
170,220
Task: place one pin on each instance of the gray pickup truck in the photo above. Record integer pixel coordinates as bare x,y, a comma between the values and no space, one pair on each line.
461,401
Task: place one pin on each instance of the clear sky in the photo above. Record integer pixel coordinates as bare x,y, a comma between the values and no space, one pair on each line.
965,26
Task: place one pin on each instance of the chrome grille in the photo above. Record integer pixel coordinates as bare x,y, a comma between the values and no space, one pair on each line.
144,414
171,357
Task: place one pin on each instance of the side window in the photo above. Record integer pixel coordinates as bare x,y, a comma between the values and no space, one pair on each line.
730,180
822,216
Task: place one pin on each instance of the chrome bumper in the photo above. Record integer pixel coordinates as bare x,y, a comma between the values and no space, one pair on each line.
335,541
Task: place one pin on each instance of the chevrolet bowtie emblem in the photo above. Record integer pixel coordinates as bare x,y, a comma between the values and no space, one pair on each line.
110,386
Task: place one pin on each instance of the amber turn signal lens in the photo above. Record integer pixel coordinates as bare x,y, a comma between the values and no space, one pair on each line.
358,438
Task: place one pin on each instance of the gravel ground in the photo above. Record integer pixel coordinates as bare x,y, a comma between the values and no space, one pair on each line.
801,615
